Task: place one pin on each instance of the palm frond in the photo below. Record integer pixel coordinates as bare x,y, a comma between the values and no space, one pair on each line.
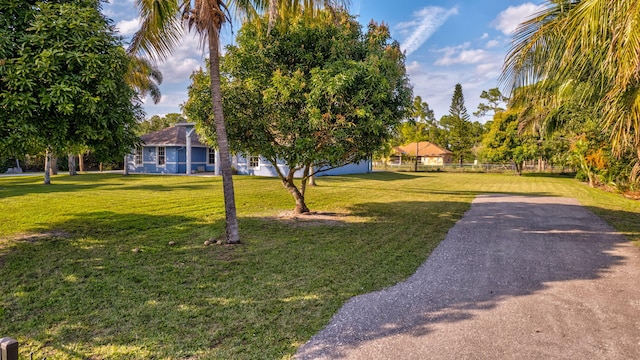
161,28
144,77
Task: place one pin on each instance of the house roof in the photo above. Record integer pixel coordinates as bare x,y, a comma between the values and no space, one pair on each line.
171,136
425,149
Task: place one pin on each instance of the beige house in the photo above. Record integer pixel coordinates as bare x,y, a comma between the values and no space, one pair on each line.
428,153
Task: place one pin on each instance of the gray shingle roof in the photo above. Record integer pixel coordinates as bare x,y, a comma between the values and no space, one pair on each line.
172,136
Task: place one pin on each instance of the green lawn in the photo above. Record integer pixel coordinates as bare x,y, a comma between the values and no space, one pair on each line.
74,288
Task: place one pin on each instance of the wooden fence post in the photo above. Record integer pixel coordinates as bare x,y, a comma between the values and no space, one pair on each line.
8,349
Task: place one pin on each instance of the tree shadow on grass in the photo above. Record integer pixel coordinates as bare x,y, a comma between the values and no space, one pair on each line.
20,186
425,190
386,176
495,253
550,175
106,284
88,294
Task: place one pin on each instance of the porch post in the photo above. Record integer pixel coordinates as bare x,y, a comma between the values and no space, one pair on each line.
189,132
216,166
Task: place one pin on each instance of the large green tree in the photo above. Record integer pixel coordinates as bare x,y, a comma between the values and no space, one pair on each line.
319,95
419,126
503,142
157,122
162,26
62,80
458,128
494,102
588,45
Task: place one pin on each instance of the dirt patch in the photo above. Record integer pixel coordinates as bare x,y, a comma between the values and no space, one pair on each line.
314,218
632,195
34,237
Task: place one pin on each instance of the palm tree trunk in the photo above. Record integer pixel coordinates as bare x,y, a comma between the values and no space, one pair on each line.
233,236
273,12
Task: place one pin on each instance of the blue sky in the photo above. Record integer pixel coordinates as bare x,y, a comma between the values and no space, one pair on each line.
446,42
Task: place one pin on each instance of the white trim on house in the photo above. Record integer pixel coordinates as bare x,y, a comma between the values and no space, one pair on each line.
138,156
164,156
211,151
250,162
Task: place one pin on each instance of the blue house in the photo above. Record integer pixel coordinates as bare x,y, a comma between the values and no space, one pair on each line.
259,166
178,150
174,150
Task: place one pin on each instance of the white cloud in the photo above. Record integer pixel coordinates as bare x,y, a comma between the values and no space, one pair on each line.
492,43
489,70
426,22
461,54
128,27
186,58
176,69
484,36
464,57
436,85
509,19
413,66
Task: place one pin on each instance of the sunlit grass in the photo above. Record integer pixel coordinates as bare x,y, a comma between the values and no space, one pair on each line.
88,272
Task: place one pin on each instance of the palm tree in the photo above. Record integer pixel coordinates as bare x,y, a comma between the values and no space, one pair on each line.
162,25
590,45
144,77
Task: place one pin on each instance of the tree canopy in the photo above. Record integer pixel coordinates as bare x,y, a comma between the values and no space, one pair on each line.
161,30
581,55
157,122
320,94
495,102
460,135
62,80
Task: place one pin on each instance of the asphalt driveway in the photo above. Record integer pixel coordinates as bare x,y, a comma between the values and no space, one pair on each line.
515,278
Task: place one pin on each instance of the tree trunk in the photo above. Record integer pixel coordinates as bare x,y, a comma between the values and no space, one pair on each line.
233,235
312,177
72,165
100,166
518,168
305,179
301,207
18,165
54,164
273,13
81,161
47,168
540,164
125,171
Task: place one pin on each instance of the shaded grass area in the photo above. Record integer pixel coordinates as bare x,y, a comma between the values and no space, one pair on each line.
73,286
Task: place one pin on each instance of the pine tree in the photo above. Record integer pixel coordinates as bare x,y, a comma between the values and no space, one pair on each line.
459,127
457,108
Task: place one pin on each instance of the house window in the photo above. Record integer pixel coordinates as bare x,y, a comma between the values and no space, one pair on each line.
137,157
211,159
254,161
161,156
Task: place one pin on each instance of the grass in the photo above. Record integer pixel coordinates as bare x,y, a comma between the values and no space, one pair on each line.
73,288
